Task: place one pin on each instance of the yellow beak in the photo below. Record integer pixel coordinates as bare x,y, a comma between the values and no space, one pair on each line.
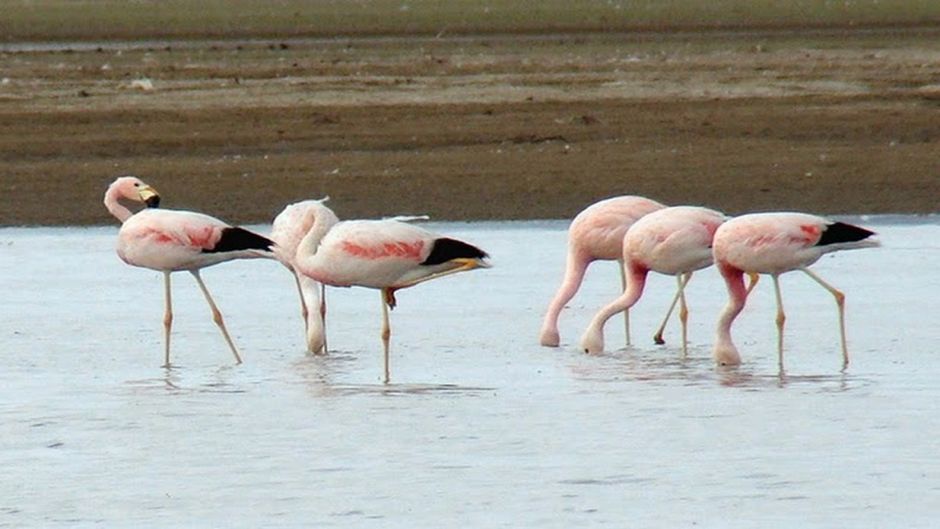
149,196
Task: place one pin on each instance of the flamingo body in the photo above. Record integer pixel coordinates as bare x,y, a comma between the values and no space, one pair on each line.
673,241
387,255
596,233
170,241
775,243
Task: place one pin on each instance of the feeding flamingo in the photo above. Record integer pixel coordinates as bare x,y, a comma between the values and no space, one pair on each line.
387,255
673,241
169,241
775,243
595,234
287,231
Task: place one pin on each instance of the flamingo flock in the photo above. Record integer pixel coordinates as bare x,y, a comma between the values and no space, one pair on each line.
388,255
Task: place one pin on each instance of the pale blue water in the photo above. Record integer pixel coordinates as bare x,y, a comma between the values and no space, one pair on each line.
481,427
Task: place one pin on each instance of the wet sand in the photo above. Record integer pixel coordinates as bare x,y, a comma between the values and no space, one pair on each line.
490,127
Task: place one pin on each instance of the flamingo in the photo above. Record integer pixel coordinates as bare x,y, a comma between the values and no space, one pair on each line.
387,255
673,241
596,233
288,229
775,243
169,241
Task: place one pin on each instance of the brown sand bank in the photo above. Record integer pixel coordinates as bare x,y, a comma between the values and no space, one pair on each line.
497,127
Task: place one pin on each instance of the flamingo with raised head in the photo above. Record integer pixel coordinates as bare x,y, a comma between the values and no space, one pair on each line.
287,231
387,255
596,233
673,241
775,243
170,241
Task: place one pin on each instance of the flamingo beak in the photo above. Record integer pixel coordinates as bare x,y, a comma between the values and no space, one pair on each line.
149,196
470,264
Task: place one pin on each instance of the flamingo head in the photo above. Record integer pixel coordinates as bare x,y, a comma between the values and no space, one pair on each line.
134,189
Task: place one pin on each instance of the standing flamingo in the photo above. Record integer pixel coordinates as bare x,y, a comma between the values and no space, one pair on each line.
595,234
388,255
774,243
674,241
170,241
288,230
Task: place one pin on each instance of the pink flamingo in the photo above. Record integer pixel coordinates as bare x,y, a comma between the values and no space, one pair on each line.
387,255
595,234
673,241
774,243
288,230
170,241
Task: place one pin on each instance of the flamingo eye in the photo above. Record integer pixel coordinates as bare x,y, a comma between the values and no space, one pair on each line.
136,184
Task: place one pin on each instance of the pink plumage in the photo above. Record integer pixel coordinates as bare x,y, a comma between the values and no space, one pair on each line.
171,241
674,241
775,243
596,233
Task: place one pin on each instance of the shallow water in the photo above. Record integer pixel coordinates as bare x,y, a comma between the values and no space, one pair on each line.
480,427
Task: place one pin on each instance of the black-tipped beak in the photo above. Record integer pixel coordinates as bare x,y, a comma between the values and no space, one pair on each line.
153,201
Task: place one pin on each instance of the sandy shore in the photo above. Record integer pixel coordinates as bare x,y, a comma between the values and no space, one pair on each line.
492,127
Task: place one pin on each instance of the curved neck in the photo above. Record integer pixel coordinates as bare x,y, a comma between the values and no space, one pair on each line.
114,206
311,241
636,281
737,296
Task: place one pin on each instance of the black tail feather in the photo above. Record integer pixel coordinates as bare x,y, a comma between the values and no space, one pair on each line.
841,232
445,249
234,239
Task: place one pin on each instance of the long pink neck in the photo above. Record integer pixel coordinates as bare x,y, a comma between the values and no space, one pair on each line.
725,351
114,206
574,274
636,281
307,249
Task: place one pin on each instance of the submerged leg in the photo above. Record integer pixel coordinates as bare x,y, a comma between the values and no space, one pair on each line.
216,315
840,302
781,318
167,318
386,329
626,313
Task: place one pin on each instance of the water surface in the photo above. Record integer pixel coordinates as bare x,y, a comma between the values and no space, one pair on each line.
480,427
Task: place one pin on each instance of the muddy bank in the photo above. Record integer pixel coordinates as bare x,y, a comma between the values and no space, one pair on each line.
480,128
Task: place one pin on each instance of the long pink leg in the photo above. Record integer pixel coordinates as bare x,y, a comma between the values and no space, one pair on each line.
323,315
217,316
840,302
781,319
167,318
658,337
303,302
386,332
684,311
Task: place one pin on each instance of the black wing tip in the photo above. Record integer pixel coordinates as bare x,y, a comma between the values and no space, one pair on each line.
235,239
446,249
840,232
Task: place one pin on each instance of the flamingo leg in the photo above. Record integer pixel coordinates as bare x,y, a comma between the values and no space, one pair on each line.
781,318
658,337
626,313
323,315
216,315
754,277
840,302
303,302
386,329
684,310
167,318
